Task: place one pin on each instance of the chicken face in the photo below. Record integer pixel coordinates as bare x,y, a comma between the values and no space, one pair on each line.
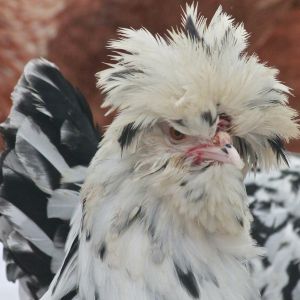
201,80
195,108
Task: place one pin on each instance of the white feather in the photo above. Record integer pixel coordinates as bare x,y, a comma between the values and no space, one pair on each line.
28,229
30,132
62,204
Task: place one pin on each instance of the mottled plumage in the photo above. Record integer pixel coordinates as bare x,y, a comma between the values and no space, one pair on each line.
164,212
160,220
275,205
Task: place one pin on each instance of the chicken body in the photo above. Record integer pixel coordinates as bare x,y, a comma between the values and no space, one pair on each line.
164,212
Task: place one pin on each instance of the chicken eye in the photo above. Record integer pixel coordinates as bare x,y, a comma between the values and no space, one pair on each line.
175,134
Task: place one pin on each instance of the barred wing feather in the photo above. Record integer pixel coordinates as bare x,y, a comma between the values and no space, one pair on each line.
49,135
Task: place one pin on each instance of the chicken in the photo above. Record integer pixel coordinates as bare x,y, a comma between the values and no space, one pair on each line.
164,211
275,204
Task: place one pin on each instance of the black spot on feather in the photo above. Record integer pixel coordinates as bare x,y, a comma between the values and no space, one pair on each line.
192,32
278,148
137,215
206,47
128,134
225,37
130,220
293,273
102,251
296,226
251,189
228,37
213,279
271,190
71,253
266,262
205,167
189,282
70,295
152,221
207,117
97,296
83,213
275,102
240,221
293,177
124,73
263,290
259,231
179,122
191,29
88,236
152,229
244,149
242,146
163,167
295,183
283,245
188,194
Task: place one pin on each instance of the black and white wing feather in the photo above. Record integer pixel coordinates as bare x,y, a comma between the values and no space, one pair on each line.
275,205
50,139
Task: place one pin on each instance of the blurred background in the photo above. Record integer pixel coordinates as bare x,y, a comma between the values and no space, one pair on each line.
73,34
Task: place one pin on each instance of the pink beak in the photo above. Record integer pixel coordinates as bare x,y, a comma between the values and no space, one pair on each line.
221,150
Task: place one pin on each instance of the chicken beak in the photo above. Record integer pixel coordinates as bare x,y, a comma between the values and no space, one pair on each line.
221,150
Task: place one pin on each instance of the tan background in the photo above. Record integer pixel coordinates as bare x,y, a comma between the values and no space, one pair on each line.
73,34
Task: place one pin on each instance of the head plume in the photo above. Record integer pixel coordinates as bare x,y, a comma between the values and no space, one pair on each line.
200,69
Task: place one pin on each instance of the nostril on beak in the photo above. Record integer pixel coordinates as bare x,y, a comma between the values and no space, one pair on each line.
220,150
222,138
